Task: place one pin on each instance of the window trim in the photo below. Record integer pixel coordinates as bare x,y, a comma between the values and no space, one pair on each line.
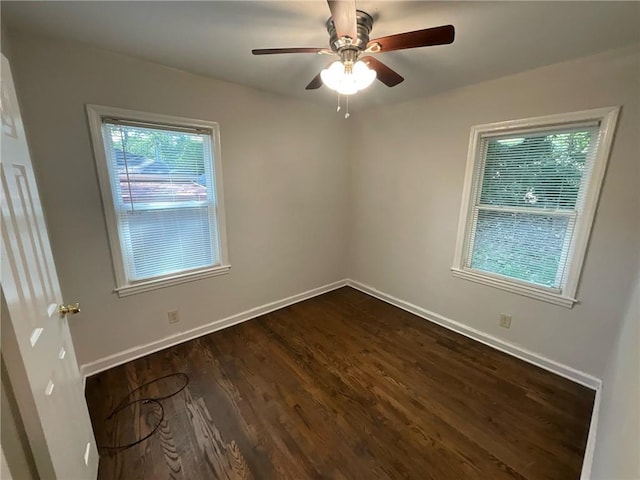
607,118
96,114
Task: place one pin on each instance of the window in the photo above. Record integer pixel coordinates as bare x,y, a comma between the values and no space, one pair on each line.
161,185
529,198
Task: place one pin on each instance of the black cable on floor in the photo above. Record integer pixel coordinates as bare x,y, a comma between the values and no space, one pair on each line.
147,400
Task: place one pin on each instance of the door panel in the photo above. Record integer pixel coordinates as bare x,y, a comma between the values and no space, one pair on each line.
32,293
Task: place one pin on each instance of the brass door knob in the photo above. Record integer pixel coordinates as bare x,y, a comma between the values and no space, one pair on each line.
70,309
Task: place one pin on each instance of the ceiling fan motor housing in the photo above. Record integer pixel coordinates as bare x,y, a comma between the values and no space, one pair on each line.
364,23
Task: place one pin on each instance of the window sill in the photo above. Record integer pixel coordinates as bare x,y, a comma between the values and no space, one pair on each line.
520,289
148,285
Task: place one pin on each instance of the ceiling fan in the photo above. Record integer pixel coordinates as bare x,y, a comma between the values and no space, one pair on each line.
356,69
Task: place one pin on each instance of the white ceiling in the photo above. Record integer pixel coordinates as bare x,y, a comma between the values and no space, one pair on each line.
493,39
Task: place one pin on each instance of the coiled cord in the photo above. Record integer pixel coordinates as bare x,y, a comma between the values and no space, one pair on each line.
145,401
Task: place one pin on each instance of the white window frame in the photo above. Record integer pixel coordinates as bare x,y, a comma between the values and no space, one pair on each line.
125,287
607,118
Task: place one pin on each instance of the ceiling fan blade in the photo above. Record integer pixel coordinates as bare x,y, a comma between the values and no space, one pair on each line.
315,83
272,51
387,76
343,13
419,38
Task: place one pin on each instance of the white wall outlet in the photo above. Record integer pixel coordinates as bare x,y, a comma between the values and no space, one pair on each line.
505,320
173,316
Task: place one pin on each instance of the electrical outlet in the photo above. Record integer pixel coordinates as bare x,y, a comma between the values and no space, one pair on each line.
173,316
505,320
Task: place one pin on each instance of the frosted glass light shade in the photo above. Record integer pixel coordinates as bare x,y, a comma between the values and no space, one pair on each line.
336,78
363,75
332,76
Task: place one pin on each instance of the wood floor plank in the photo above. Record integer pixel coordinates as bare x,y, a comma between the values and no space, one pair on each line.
342,386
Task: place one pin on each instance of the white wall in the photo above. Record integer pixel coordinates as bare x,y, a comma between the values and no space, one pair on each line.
617,454
290,196
285,187
297,214
406,187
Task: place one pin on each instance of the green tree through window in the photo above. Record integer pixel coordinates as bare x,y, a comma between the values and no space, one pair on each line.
181,152
527,204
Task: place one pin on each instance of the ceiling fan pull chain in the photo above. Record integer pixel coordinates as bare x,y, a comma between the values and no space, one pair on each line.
347,114
338,109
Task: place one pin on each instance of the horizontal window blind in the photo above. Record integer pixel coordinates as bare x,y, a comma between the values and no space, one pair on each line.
529,190
163,186
522,246
162,242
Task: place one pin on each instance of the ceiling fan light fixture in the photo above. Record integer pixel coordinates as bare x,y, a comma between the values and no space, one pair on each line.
347,79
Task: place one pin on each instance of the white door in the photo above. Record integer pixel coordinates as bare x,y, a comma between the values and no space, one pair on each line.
32,294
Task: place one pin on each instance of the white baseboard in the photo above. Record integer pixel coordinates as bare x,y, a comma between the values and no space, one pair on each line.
111,361
507,347
587,461
512,349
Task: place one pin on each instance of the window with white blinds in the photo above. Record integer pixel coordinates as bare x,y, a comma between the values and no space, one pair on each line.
159,178
529,202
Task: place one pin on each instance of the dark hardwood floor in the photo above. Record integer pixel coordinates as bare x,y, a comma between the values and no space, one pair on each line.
342,386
